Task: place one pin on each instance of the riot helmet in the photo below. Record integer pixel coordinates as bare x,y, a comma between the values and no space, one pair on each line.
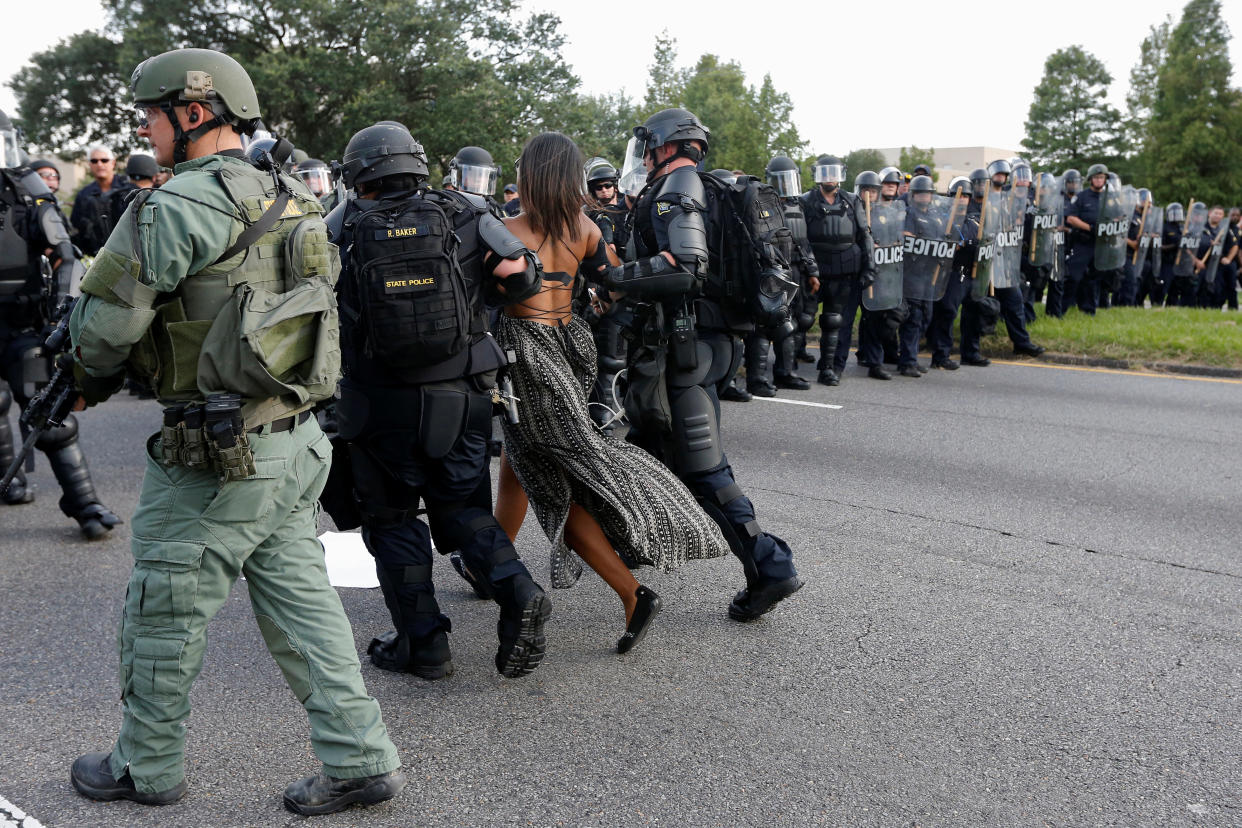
921,169
598,169
867,180
1073,181
978,183
960,186
999,167
1175,212
680,126
140,165
382,150
828,170
473,171
9,150
726,176
782,173
1022,175
1144,196
1095,170
890,175
921,191
257,151
204,76
315,174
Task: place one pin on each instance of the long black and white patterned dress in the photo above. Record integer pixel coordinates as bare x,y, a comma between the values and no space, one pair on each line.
560,458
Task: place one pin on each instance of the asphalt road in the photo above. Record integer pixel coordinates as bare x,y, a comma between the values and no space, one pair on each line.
1022,608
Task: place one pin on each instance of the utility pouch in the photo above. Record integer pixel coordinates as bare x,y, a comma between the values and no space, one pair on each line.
172,435
194,454
646,395
225,429
442,418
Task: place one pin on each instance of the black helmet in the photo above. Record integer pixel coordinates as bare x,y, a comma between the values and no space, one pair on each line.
726,176
1096,169
315,174
960,185
866,178
256,148
473,171
891,175
828,169
921,169
669,125
139,165
1071,175
601,172
380,150
1175,212
922,184
978,182
783,174
1000,165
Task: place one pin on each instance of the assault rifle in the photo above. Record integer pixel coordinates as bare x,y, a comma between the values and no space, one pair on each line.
49,407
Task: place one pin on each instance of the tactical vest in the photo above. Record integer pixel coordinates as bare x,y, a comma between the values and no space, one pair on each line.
262,323
831,229
19,269
795,220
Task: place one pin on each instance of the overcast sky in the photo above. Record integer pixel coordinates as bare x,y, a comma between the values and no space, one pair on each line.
861,74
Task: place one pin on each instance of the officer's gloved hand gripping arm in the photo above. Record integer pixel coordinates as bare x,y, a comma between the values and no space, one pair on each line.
517,272
677,218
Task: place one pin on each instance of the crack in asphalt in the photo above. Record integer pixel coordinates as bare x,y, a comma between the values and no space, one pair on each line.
968,525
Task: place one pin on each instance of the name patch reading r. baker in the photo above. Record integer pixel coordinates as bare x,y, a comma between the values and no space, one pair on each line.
410,285
401,232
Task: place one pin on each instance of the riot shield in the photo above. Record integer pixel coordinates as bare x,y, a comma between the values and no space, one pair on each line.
928,247
887,232
1151,220
1045,210
992,221
1214,252
1113,227
1192,233
1012,212
955,234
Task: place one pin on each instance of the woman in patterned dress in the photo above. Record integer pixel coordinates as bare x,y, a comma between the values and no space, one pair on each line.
611,503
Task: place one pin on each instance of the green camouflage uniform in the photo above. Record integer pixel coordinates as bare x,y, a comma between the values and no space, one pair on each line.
157,302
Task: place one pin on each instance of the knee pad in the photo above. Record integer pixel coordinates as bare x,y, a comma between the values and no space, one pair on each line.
831,322
727,355
696,431
59,437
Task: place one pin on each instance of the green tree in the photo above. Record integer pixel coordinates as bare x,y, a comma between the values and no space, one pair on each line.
1070,124
1196,115
1142,95
912,156
861,160
457,71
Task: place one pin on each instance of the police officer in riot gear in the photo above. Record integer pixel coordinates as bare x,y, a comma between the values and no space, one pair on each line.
867,184
610,214
784,176
677,248
316,175
473,171
958,290
840,238
921,220
1082,281
420,431
31,223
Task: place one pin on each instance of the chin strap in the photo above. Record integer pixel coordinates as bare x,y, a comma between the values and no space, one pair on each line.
181,138
685,149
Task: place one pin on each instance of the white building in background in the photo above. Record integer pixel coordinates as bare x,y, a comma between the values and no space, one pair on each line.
954,161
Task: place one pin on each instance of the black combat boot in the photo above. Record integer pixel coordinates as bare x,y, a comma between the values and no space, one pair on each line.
92,776
79,501
428,657
323,794
524,609
785,366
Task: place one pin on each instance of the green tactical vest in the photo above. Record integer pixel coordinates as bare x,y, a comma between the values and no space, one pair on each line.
263,323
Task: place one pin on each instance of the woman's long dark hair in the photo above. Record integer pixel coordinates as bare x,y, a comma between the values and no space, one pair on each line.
551,185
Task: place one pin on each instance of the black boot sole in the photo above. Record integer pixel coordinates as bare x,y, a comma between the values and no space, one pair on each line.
378,791
118,791
526,653
770,596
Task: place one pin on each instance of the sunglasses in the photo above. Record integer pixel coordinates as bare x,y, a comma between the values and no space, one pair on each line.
48,174
604,186
100,160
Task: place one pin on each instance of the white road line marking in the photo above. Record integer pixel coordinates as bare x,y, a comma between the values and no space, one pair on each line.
800,402
12,816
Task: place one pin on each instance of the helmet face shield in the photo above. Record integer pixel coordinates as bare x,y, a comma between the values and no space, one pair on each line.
317,179
633,173
787,183
476,179
9,155
828,173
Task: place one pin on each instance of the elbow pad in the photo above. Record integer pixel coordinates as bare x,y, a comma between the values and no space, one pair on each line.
498,238
517,286
652,278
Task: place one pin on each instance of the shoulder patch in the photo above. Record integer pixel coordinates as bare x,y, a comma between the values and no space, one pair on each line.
663,207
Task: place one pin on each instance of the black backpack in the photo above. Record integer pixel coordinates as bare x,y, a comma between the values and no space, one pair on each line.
748,241
413,305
